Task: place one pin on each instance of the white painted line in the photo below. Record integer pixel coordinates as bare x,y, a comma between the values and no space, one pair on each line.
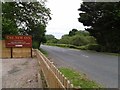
85,56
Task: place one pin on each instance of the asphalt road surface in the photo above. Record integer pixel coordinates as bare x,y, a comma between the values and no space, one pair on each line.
102,68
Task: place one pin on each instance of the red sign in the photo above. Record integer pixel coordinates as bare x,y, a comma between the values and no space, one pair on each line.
18,41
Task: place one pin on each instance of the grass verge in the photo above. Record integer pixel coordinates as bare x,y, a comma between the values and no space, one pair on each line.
78,80
44,52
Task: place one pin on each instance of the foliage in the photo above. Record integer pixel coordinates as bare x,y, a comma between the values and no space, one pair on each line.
65,40
72,33
103,21
51,39
25,18
95,47
8,27
85,47
77,38
66,45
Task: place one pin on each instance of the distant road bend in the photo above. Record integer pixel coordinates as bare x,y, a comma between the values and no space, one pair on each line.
99,67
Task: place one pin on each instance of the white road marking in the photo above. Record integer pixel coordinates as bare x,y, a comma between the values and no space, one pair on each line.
85,56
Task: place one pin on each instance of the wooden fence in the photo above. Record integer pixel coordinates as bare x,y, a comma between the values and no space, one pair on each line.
53,77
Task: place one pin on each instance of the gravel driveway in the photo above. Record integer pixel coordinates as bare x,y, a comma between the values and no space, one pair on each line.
20,73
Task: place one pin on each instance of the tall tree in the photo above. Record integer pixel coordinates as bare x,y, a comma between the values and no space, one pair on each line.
25,18
103,21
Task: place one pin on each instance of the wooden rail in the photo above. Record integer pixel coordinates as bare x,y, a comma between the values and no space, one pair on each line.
53,77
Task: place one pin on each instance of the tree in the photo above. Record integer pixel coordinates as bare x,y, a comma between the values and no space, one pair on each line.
8,24
51,39
82,33
72,33
65,39
9,27
103,20
79,40
26,18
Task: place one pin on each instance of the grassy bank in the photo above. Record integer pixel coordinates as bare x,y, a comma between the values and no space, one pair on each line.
78,80
44,52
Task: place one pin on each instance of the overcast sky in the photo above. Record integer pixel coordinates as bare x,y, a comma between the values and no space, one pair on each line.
65,16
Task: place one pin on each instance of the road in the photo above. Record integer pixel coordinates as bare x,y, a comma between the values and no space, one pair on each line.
100,67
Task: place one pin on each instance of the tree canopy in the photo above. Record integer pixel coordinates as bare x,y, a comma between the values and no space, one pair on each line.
71,33
25,18
77,38
103,21
51,39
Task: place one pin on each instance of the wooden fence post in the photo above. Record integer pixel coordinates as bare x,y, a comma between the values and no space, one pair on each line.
31,52
11,52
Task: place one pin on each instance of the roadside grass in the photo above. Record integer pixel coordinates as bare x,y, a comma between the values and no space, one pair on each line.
44,52
78,80
62,45
115,54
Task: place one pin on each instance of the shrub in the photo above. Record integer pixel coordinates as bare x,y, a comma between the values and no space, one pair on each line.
72,46
61,45
78,40
95,47
83,47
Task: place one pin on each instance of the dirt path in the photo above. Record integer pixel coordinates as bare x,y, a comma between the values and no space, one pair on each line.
20,73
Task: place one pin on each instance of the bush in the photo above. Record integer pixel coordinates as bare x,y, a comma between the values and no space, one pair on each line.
72,46
95,47
61,45
78,40
64,40
51,44
83,47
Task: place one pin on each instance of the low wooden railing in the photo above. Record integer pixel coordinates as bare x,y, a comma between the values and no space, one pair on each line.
54,78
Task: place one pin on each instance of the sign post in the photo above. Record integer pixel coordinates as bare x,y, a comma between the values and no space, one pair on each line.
18,41
11,52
